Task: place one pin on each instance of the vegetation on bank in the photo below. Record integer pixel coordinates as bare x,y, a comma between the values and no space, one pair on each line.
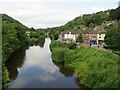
36,37
13,37
95,68
112,38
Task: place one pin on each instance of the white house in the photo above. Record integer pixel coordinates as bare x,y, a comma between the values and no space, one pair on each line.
68,37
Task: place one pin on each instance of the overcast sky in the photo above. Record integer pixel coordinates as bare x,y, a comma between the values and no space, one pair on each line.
51,13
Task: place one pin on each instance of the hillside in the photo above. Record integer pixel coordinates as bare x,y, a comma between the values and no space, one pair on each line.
95,68
92,20
13,37
87,21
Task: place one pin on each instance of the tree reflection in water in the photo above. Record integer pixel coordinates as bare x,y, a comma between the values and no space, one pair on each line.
64,70
68,72
16,60
11,63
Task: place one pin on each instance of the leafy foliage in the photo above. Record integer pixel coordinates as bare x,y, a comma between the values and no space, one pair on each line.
57,44
79,38
13,37
94,68
115,14
113,37
71,46
58,50
58,54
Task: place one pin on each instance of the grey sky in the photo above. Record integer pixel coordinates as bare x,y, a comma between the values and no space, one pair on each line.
50,13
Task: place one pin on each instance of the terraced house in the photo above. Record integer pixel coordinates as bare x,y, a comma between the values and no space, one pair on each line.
92,36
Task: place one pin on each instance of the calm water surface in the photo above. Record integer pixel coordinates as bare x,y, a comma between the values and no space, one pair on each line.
32,67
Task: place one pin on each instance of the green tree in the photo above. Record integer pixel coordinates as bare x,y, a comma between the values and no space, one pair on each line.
13,37
112,38
79,38
72,46
115,14
56,36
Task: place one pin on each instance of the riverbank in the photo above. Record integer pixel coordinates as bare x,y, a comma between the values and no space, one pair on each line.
95,68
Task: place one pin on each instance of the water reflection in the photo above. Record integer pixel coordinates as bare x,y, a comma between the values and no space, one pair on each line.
33,68
64,70
16,61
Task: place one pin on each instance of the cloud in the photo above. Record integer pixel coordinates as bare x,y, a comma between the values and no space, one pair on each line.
47,78
49,13
39,59
97,9
60,1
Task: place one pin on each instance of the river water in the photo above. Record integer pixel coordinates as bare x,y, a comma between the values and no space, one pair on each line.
32,67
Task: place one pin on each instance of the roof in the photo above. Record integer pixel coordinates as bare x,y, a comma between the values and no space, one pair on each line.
72,32
96,30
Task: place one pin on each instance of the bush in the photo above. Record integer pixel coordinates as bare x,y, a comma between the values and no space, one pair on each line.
94,68
56,36
57,44
79,38
72,46
58,54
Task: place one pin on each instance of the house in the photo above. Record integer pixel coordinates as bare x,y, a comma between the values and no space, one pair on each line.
94,36
68,37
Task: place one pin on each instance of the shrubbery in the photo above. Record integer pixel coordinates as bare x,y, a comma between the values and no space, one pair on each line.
95,68
56,44
58,54
71,46
112,38
58,50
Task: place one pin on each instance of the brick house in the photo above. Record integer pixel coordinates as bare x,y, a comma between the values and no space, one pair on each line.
94,36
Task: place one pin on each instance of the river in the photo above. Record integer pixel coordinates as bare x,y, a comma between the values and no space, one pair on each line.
32,67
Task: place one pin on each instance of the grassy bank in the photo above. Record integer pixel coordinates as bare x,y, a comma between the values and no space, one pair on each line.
95,68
